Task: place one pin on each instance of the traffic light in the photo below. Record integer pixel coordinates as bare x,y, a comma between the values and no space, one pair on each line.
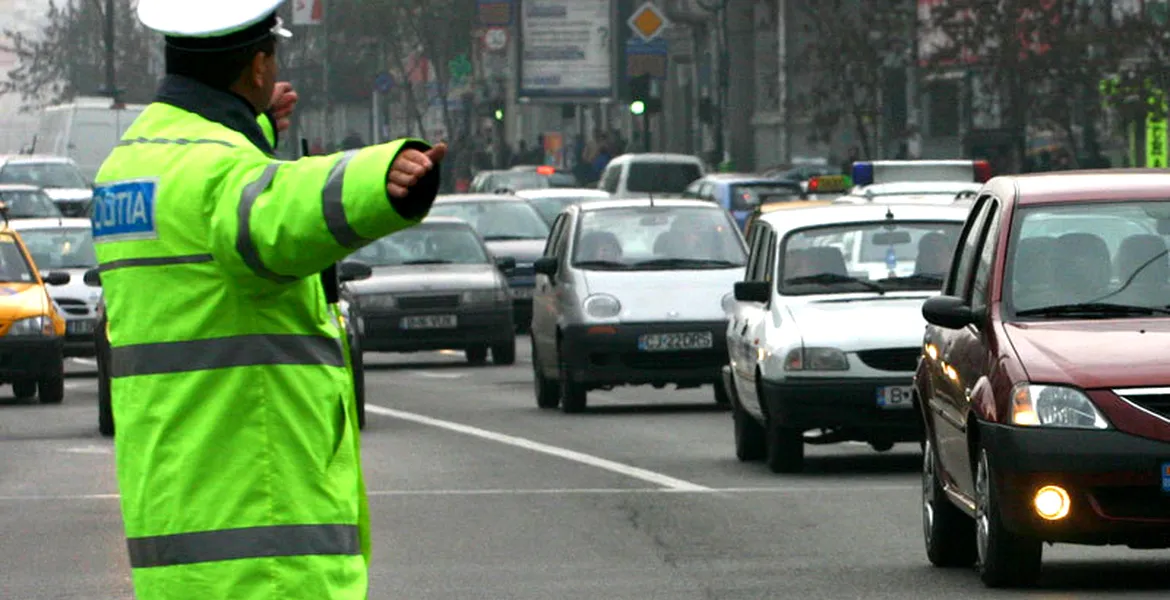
643,96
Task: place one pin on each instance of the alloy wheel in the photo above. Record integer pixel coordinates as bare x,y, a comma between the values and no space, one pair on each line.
982,505
928,498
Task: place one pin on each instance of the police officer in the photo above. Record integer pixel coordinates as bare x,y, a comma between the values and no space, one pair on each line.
237,444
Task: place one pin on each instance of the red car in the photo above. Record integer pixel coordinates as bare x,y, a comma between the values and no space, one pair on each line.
1044,382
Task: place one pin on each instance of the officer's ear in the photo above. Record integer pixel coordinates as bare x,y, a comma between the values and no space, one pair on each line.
258,70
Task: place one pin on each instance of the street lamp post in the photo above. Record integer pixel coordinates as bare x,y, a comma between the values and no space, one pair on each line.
111,84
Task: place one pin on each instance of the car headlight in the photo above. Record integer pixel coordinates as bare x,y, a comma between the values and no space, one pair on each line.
728,303
1054,406
602,306
486,296
33,326
816,359
377,301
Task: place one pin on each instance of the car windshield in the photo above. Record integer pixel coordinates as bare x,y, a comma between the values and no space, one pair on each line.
427,243
1089,260
744,196
14,266
61,248
29,205
878,257
549,208
658,238
662,177
47,175
497,220
518,180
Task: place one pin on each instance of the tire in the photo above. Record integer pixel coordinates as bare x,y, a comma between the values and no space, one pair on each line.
51,386
574,398
949,534
785,448
882,446
750,444
1005,559
548,393
359,381
721,397
24,389
476,355
105,408
504,353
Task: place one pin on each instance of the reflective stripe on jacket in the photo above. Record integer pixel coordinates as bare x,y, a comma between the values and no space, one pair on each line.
238,453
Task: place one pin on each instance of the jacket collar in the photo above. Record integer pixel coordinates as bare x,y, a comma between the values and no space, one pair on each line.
223,107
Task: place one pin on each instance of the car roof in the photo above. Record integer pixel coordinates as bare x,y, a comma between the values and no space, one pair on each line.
468,198
34,158
657,157
854,213
1085,186
793,205
61,223
646,203
442,220
732,178
916,188
19,187
562,193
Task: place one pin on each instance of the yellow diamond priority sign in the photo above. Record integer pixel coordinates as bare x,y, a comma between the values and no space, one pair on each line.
648,22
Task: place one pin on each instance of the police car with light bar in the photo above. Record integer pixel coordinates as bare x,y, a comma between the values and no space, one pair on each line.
917,181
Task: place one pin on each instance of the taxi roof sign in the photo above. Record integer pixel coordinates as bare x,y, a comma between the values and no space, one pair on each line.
829,184
888,171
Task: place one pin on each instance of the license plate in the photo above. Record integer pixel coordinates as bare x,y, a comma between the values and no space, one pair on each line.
894,397
79,327
522,293
429,322
667,342
1166,477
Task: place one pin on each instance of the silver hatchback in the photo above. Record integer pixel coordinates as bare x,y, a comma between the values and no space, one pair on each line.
633,292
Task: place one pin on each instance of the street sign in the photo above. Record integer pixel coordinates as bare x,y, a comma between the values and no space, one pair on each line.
648,22
495,39
383,82
646,58
308,12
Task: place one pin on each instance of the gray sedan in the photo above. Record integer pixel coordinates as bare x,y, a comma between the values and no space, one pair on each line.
436,286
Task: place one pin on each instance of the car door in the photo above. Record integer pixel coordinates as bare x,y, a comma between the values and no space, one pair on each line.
947,417
544,294
737,319
753,323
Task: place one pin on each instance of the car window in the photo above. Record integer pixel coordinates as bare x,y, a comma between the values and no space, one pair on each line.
661,177
549,208
961,264
29,205
658,237
747,196
46,175
497,220
754,257
60,248
426,243
554,237
982,279
611,178
768,264
913,256
14,266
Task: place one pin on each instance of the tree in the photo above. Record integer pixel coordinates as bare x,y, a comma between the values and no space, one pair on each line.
66,58
852,45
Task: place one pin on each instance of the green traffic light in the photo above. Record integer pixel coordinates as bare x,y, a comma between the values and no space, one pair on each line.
637,107
499,115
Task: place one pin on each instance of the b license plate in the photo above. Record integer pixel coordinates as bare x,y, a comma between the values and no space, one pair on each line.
522,293
79,327
667,342
894,397
1166,477
430,322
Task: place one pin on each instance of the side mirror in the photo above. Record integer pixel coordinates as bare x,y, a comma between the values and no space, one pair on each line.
507,264
546,266
352,270
949,312
93,278
753,291
57,278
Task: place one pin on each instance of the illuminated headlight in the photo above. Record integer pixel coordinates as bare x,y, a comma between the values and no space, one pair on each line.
816,359
33,326
1054,406
485,296
728,303
602,306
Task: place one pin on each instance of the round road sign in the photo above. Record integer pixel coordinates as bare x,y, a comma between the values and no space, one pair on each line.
495,39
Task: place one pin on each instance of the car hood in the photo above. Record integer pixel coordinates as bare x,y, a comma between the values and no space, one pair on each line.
428,278
655,296
524,251
855,324
69,194
21,300
1094,354
76,288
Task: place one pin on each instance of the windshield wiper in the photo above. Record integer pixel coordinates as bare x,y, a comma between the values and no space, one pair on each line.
605,265
923,278
687,262
830,278
1102,309
429,261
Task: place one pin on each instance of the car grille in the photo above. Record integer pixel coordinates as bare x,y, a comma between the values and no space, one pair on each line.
891,359
73,307
427,302
1158,404
1132,502
692,359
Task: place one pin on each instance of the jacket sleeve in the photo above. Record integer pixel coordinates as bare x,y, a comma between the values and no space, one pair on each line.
282,221
268,126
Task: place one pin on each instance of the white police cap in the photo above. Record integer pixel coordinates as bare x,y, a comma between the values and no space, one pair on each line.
208,18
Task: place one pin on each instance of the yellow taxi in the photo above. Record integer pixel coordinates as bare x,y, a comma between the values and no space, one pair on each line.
32,326
771,207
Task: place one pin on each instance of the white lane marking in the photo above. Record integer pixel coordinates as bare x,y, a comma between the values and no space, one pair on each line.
547,492
86,361
437,375
534,446
77,385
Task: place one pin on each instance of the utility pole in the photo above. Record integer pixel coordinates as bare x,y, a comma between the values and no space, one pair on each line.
111,56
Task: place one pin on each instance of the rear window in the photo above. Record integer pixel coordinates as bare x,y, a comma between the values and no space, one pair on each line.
662,177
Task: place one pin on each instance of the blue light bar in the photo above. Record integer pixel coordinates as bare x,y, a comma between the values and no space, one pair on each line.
862,173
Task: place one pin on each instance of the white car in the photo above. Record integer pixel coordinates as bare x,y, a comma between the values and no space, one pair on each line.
646,175
826,327
914,192
550,202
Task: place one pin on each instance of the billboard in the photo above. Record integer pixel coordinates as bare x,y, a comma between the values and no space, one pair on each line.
566,50
308,12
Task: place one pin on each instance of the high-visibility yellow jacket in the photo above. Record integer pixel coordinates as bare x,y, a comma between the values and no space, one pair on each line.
237,442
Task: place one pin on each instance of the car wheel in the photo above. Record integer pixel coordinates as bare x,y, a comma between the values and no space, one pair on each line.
548,394
504,353
51,386
359,382
785,448
882,446
721,397
1005,559
476,355
24,389
948,532
105,408
573,394
750,444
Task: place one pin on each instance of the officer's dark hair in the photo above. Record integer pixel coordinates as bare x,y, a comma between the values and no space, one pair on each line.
218,62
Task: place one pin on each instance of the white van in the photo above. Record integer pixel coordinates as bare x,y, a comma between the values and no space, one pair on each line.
651,174
86,130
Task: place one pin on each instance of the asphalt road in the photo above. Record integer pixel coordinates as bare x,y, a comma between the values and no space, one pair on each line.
477,494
